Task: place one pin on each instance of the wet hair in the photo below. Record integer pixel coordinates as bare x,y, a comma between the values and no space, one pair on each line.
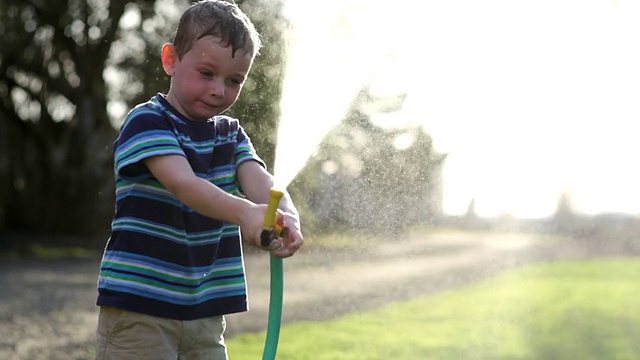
219,18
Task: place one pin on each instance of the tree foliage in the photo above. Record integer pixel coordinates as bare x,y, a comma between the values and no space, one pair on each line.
69,72
258,107
370,177
54,112
565,219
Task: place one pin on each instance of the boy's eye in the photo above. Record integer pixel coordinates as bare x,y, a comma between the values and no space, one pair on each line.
206,73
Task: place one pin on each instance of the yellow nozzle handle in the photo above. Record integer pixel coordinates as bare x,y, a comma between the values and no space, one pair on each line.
271,229
272,209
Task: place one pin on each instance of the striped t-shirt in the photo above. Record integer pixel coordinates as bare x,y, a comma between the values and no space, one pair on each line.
164,259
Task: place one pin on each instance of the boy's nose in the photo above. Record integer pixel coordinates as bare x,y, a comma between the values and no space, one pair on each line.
217,88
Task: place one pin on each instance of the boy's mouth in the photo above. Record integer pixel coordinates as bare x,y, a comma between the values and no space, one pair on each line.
211,106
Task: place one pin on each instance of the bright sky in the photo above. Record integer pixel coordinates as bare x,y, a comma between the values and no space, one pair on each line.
528,98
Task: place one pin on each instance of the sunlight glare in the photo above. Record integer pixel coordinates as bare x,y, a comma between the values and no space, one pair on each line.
529,99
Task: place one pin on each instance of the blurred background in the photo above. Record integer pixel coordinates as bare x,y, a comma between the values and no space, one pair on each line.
385,121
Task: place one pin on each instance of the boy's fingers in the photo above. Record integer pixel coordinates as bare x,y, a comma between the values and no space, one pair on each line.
290,246
276,244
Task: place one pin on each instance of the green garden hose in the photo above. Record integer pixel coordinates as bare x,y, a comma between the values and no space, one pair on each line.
275,309
272,230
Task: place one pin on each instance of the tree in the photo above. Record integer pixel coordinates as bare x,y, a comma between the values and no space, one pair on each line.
565,219
368,177
69,71
258,107
54,112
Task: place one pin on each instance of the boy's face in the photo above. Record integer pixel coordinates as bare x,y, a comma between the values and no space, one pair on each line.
207,80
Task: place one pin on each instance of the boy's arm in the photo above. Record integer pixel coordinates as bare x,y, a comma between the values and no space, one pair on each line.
256,183
175,173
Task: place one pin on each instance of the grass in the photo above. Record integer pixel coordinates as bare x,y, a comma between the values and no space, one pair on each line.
568,310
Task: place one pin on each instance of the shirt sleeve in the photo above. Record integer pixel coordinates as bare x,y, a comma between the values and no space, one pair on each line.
245,150
145,133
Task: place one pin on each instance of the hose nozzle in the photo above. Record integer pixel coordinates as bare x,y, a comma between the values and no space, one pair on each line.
271,228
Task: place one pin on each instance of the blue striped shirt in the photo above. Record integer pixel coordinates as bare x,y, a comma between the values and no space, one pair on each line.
163,258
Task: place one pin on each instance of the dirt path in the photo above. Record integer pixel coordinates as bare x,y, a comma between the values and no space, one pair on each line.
47,308
327,285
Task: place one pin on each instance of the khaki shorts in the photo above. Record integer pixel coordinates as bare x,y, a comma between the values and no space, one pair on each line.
127,335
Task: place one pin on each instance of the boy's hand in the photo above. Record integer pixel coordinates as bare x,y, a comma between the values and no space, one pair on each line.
252,224
291,239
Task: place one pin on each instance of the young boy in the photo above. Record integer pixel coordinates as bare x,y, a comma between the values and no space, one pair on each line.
187,182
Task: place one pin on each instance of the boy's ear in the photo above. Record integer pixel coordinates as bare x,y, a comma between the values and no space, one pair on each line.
169,58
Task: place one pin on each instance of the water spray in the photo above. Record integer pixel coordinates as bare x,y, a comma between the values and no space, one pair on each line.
272,230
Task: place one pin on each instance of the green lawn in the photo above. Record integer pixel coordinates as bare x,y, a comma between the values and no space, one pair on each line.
568,310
